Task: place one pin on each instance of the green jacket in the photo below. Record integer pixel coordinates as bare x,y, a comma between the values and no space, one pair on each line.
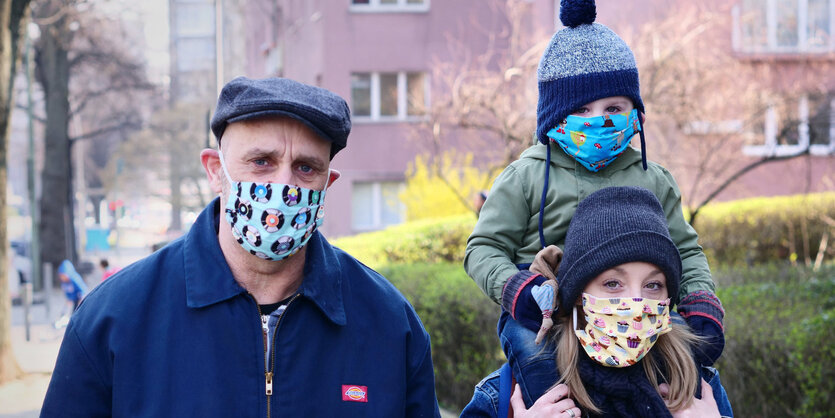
507,231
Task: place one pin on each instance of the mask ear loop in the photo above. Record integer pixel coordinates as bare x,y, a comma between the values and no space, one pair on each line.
574,317
223,166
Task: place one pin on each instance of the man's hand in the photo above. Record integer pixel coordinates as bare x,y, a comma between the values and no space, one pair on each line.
700,408
554,403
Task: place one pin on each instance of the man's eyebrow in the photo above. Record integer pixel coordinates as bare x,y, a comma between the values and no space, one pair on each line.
259,152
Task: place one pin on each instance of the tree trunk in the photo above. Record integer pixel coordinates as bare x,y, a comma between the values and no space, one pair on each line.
53,73
12,20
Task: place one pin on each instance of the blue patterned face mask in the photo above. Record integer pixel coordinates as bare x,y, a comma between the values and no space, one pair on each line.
596,142
272,220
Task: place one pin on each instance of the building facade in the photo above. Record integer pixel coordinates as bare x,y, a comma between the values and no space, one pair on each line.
380,55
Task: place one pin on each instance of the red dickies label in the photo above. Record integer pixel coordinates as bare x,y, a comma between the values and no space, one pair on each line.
354,393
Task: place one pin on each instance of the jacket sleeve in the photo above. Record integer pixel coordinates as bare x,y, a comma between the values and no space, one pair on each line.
78,388
421,400
498,234
695,272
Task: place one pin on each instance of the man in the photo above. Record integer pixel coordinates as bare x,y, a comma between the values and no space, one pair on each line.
252,313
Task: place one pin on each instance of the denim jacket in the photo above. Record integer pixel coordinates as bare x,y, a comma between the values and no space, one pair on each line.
535,370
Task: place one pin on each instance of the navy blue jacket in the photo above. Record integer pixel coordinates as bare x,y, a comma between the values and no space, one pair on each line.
175,335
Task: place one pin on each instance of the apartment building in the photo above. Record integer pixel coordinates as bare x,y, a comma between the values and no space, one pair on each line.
379,55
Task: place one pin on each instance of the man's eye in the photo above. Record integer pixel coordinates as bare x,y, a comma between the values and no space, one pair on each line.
260,162
305,168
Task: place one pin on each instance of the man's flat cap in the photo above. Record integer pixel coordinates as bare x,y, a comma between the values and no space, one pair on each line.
322,111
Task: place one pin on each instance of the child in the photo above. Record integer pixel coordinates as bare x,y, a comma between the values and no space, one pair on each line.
74,290
589,108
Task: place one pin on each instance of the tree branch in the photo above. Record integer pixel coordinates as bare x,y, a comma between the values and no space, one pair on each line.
738,174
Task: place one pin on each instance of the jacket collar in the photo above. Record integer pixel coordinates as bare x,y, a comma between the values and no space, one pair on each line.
209,279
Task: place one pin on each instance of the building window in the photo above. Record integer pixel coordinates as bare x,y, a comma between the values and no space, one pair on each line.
376,205
389,5
784,26
808,124
389,96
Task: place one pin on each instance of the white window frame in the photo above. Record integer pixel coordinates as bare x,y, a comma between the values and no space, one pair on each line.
771,28
402,98
772,148
377,202
402,6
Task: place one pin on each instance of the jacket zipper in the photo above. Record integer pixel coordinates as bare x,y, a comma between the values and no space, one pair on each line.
265,329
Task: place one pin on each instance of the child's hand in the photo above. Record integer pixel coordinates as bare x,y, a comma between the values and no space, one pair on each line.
545,296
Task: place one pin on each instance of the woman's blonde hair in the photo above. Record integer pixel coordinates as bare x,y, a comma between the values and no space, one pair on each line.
673,351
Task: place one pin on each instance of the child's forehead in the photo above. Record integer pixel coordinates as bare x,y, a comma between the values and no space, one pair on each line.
612,99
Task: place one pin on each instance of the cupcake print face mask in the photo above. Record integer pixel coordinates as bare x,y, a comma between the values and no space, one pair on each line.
620,331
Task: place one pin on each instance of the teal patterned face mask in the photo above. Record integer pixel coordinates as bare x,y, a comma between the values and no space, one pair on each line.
596,142
272,220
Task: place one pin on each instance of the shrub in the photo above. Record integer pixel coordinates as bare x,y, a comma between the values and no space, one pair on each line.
760,230
461,322
426,241
442,187
778,355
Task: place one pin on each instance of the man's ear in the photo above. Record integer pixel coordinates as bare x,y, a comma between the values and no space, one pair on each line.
334,174
214,173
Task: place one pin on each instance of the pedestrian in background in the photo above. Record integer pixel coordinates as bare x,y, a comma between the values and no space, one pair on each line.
107,271
74,289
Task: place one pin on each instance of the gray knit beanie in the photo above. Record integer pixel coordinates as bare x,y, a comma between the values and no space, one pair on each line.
584,62
613,226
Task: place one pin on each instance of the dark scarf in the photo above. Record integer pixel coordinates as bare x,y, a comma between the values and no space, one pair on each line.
621,392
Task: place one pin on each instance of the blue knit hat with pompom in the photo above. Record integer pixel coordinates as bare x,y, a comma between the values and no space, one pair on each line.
584,62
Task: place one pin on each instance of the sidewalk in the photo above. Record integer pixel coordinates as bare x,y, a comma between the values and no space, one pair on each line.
23,398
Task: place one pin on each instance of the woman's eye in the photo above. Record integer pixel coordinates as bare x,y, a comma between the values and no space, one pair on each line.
611,284
654,286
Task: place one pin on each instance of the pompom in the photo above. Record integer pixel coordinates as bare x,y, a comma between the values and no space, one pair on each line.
574,13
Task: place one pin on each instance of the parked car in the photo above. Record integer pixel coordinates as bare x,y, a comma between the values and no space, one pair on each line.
19,268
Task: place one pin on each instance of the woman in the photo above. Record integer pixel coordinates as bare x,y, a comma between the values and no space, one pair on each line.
620,352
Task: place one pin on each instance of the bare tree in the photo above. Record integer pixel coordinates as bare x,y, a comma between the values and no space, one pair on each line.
85,74
704,103
13,18
489,97
161,160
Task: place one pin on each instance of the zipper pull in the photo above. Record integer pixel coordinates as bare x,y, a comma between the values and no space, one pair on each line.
269,376
265,319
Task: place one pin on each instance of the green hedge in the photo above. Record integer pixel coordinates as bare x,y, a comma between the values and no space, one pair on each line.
778,356
426,241
762,230
743,232
461,322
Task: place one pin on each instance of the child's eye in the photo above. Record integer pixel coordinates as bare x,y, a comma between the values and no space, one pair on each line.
580,111
613,109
